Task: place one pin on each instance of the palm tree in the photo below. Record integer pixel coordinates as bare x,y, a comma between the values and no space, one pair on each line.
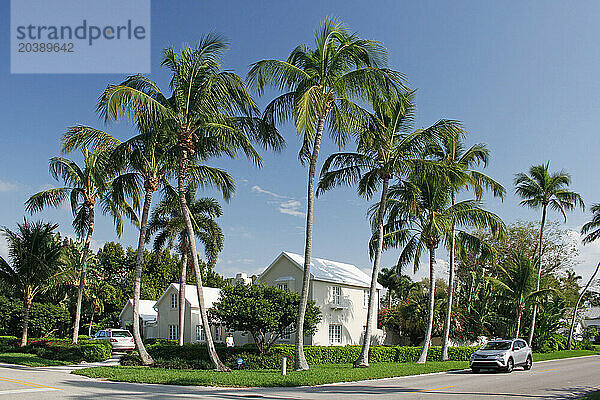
515,279
421,216
321,85
35,253
452,153
146,164
592,231
83,187
542,189
169,226
387,149
208,114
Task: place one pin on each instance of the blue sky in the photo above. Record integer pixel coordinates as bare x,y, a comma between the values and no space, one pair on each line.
521,77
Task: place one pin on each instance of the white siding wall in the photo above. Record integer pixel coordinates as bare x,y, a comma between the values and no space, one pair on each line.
351,313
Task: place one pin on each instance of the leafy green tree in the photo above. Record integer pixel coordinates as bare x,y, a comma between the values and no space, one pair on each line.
265,311
388,149
421,216
453,153
208,114
398,285
169,226
542,189
516,280
35,255
322,85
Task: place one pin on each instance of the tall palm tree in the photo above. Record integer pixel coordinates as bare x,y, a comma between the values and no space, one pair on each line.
35,254
169,226
453,153
542,189
516,281
592,231
208,114
83,188
143,164
421,216
387,149
321,84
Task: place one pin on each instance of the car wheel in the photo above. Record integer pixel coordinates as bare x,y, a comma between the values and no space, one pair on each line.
475,370
528,364
510,365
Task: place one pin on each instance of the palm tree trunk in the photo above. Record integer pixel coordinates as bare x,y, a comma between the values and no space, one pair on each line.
423,356
217,363
84,258
182,283
91,321
301,364
137,280
363,358
444,355
26,308
577,306
519,315
539,276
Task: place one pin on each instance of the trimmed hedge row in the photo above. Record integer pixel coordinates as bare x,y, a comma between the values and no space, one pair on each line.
195,355
60,349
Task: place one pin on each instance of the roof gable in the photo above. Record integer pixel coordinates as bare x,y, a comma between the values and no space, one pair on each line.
211,295
147,311
329,271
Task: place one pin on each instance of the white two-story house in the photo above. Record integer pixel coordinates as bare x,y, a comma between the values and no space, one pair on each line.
340,290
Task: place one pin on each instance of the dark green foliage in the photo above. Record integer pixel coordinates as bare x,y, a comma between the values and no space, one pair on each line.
44,318
195,356
60,349
264,311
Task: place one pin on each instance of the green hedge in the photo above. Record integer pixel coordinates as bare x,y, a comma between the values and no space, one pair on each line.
195,355
60,349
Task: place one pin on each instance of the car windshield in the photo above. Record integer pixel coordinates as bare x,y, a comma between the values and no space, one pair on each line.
121,334
497,346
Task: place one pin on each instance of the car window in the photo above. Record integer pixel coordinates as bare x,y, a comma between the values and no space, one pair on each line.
522,344
121,334
497,346
517,346
99,334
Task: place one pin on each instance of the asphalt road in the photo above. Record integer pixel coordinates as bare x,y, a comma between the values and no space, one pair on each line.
560,379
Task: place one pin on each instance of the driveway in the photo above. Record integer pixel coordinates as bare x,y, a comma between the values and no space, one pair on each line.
559,379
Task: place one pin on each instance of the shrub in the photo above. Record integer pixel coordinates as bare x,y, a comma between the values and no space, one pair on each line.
64,350
195,355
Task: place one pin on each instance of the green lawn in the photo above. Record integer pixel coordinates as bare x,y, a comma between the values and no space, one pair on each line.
317,375
30,360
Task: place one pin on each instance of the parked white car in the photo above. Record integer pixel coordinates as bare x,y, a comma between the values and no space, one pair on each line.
120,339
502,355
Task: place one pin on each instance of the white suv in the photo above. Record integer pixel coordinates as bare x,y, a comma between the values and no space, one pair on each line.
502,355
120,339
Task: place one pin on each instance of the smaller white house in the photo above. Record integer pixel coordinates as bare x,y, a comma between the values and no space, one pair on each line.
167,307
148,317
